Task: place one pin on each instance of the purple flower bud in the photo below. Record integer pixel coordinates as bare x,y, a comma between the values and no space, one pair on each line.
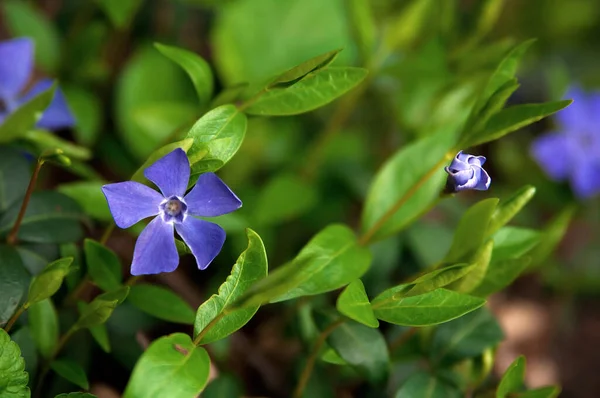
155,251
465,172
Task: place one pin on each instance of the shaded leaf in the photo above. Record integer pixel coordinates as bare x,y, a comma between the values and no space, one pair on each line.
354,303
405,28
14,280
120,12
14,176
513,242
46,283
513,378
87,110
71,371
425,385
477,269
46,141
100,309
16,124
501,274
43,323
99,332
436,279
89,196
161,303
508,208
103,265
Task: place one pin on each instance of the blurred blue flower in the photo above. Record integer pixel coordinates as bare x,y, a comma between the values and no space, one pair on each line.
466,172
573,151
155,251
16,68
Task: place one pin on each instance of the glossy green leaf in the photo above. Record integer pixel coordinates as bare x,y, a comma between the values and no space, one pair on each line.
120,12
513,378
101,308
172,366
331,356
406,27
291,76
508,208
14,177
284,197
313,91
138,176
103,265
43,323
424,385
551,235
197,69
393,202
99,332
431,308
436,279
471,230
23,19
51,217
87,110
71,371
477,269
46,283
14,281
217,137
89,196
516,117
46,141
354,303
13,379
501,274
250,267
25,117
513,242
330,260
161,303
465,337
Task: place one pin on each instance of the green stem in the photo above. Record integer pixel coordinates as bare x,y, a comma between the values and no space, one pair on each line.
212,323
310,362
14,317
12,236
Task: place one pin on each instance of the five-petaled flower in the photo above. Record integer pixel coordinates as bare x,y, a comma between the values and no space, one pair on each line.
16,68
573,151
155,250
466,172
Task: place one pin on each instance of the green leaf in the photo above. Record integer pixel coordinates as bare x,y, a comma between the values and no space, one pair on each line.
362,347
471,230
46,141
22,19
542,392
217,137
89,196
330,260
161,303
436,279
76,395
501,274
354,303
103,265
120,12
14,280
516,117
101,308
405,28
197,69
313,91
13,379
99,332
465,337
285,196
424,385
477,269
508,208
513,378
29,352
71,371
551,235
51,217
45,284
138,176
224,386
431,308
393,201
250,267
43,323
513,242
26,116
331,356
293,75
87,110
14,177
171,367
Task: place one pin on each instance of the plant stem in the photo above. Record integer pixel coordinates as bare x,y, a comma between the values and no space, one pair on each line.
14,317
12,236
310,362
46,368
212,323
107,232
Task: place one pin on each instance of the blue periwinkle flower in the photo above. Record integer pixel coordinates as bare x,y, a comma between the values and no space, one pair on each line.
155,250
466,172
573,151
16,68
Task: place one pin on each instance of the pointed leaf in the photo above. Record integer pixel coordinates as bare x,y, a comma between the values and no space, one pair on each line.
508,208
477,269
161,303
513,242
171,367
46,141
99,332
14,280
542,392
103,265
513,378
14,176
43,323
354,303
291,76
48,282
250,267
436,279
101,308
71,371
120,12
13,379
25,117
501,274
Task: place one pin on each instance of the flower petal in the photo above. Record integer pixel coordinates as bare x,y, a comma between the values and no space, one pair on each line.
477,160
16,65
57,115
211,197
170,173
460,178
483,179
130,202
551,152
155,250
585,180
204,238
459,163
